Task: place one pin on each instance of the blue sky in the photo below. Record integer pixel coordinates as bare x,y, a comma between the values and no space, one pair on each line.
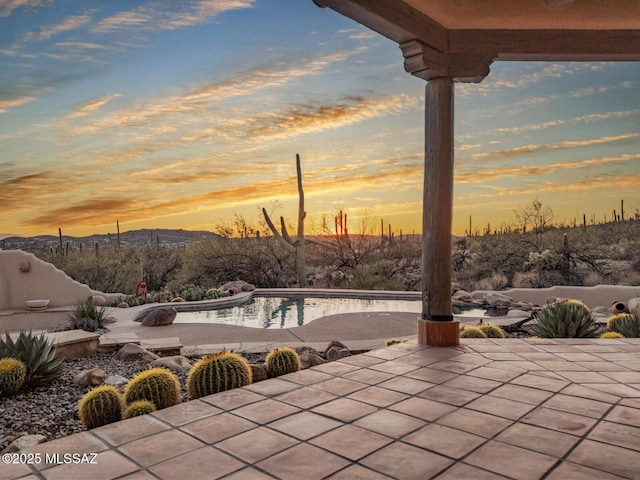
183,114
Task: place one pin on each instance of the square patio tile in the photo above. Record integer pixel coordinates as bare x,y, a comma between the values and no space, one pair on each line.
231,399
218,427
616,434
266,411
417,360
379,397
272,387
366,375
305,397
256,444
560,421
503,357
540,382
361,360
562,366
530,395
17,470
494,373
454,366
335,368
197,465
303,461
522,464
249,473
83,442
474,422
577,405
608,458
128,430
578,357
307,377
391,424
624,377
500,407
586,377
305,425
340,386
625,391
351,441
406,385
453,396
344,409
385,353
431,375
473,384
112,465
624,415
404,461
186,412
542,440
567,470
444,440
462,471
586,392
357,472
160,447
395,368
423,408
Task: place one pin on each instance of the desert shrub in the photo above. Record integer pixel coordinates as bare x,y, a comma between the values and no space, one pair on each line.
564,319
84,323
38,354
88,309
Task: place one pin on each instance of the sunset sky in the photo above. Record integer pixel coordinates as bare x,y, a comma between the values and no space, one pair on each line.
167,114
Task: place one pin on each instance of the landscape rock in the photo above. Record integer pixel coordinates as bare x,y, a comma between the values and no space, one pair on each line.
516,313
463,296
26,441
309,357
99,300
159,317
601,310
634,305
258,371
177,363
336,350
497,300
132,352
90,378
116,380
236,286
123,305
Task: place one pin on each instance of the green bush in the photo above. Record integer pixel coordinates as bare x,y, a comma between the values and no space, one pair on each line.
38,354
13,373
564,319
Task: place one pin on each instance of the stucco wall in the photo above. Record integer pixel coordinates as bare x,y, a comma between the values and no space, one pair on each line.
42,281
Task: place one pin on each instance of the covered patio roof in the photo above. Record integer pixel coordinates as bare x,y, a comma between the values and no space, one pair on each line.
446,41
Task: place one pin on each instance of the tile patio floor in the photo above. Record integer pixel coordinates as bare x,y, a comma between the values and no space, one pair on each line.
488,409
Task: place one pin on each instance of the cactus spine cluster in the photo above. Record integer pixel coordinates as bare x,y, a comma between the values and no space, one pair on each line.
100,406
626,324
492,331
564,319
139,407
281,361
157,385
13,374
611,335
218,372
471,332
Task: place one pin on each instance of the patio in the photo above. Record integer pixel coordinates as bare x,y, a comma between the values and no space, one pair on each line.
486,409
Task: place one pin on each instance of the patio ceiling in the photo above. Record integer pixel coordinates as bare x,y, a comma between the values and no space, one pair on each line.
461,38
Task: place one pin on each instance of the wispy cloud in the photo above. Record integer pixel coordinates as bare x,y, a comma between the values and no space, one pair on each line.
14,102
92,106
8,6
597,117
156,16
46,32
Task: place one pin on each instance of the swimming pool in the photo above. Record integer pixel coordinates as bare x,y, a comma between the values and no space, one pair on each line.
293,311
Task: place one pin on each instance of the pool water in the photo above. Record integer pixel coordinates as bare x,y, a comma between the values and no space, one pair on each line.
288,312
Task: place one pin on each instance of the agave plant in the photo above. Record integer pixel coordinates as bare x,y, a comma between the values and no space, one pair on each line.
564,319
37,353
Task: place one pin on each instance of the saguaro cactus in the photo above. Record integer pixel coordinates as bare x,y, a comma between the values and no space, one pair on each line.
296,245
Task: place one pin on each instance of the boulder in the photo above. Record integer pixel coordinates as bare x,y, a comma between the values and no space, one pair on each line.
26,441
497,300
258,371
634,305
602,311
236,286
159,316
309,357
116,380
177,363
123,305
132,352
517,313
463,296
90,378
336,350
99,300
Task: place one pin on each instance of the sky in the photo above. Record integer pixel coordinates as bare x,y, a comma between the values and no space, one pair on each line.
165,114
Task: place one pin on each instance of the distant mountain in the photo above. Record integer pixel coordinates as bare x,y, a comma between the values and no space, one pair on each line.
133,237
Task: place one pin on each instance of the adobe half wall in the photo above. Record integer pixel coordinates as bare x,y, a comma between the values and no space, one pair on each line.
23,276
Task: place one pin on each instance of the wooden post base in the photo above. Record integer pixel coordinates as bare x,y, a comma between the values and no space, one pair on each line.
438,334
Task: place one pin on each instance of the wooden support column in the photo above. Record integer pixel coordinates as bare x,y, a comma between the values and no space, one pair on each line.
437,327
